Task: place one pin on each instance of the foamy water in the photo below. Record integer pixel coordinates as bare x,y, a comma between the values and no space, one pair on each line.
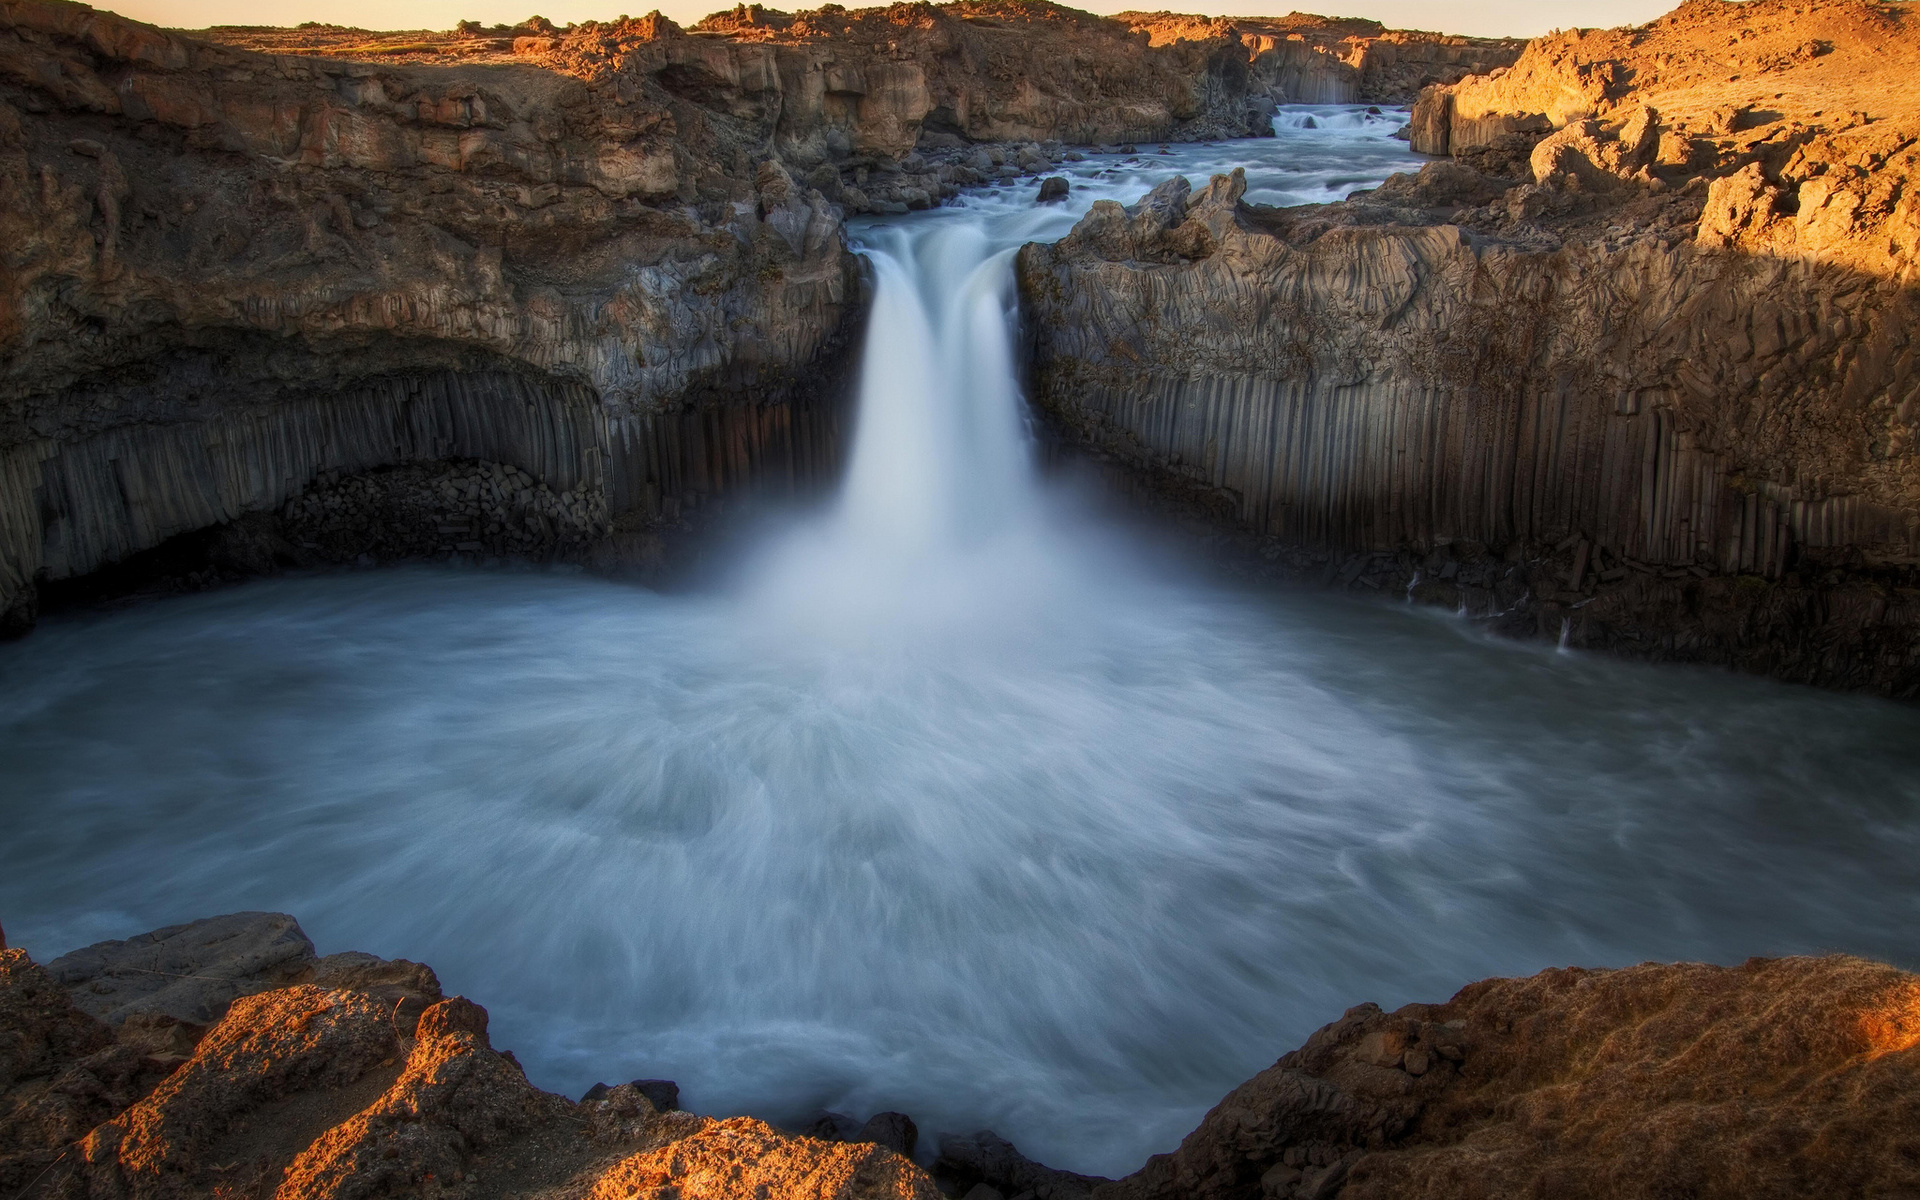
950,798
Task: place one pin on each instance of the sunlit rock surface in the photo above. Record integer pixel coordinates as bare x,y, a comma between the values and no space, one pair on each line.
1638,381
1781,1077
349,1087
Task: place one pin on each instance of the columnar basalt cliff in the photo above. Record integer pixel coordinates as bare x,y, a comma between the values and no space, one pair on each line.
226,1059
230,273
586,278
1634,370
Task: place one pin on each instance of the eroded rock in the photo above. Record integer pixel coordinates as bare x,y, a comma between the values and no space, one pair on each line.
1779,1078
189,973
1601,326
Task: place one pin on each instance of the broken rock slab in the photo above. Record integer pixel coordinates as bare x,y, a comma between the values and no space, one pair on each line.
190,972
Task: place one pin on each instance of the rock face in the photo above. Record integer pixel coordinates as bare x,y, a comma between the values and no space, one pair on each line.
1780,1078
190,972
232,274
1581,384
1304,59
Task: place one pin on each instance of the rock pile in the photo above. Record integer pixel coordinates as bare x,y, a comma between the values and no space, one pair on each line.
1780,1078
478,509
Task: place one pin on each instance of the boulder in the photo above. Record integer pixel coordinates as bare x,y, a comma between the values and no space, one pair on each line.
832,1127
986,1157
895,1131
662,1094
742,1157
1779,1078
1053,189
191,972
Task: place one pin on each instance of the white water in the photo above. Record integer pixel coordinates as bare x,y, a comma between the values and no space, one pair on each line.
953,799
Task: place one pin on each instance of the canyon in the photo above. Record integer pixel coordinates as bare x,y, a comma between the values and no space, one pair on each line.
949,798
225,1058
593,278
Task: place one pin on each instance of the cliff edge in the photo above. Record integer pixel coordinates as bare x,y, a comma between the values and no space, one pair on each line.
1632,369
317,295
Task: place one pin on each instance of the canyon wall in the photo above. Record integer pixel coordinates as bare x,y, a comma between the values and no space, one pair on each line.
587,278
232,273
1305,59
1625,383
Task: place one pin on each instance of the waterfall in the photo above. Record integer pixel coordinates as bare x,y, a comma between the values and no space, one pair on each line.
941,456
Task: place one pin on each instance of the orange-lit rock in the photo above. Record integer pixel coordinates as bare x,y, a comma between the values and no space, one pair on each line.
1778,1078
270,1048
745,1157
1781,1078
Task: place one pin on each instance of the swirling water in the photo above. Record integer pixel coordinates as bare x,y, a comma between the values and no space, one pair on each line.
951,798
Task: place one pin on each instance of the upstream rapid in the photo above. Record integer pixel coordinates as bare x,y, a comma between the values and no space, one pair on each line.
952,798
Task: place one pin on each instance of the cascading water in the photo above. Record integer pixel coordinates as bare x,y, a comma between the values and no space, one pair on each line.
954,801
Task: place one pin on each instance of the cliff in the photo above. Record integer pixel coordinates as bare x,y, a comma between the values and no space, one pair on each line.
1305,59
1634,370
233,273
259,1069
317,295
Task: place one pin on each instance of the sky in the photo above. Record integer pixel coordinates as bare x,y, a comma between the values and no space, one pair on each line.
1510,18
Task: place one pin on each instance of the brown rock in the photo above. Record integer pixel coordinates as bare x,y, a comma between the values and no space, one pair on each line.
1779,1078
51,1058
267,1048
1327,382
188,973
455,1097
744,1157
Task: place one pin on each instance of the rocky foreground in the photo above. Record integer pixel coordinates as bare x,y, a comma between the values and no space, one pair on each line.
1633,367
225,1059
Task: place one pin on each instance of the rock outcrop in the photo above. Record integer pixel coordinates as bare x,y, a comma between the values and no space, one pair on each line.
1305,59
1644,390
348,1086
1778,1078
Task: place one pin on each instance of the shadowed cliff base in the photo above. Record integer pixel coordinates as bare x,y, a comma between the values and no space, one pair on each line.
1655,403
477,467
225,1058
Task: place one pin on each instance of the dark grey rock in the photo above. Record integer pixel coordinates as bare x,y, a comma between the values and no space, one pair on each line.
986,1157
663,1094
895,1131
832,1127
191,972
1053,189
